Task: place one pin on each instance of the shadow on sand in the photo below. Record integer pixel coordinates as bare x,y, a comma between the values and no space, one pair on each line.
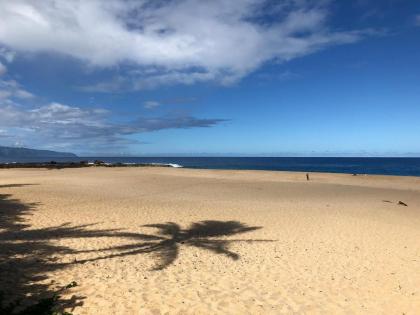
27,254
24,263
166,242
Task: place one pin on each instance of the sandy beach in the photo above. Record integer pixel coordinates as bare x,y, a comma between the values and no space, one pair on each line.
181,241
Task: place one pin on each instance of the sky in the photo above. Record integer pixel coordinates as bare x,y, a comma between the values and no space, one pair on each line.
197,77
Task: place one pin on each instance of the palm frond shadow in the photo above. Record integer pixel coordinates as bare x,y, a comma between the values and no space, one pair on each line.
25,258
28,254
165,244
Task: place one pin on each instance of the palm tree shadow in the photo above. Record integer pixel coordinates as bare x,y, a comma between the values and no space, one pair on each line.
28,254
166,243
25,258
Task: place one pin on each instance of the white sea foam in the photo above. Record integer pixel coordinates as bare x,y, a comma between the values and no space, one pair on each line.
175,165
154,164
166,164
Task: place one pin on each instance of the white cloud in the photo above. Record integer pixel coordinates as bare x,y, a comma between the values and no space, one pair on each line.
62,126
151,104
7,54
116,84
3,134
187,41
77,128
418,19
12,89
3,69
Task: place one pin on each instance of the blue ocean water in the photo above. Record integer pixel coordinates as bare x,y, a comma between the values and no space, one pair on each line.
383,166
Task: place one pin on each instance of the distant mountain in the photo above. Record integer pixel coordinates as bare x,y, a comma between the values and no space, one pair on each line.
11,152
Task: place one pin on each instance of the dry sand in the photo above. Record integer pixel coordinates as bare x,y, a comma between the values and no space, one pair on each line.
218,242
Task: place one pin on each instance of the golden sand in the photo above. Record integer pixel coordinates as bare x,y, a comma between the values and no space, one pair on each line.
179,241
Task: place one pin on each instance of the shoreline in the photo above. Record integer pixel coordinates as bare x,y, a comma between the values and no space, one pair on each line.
83,164
357,166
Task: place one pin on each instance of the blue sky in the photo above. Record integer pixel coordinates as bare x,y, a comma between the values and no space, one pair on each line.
185,77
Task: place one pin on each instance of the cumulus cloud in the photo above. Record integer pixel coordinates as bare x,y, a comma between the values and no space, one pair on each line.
62,125
174,41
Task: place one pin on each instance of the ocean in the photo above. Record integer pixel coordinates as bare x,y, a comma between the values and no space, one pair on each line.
350,165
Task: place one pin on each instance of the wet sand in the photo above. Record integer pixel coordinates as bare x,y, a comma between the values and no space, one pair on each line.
179,241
